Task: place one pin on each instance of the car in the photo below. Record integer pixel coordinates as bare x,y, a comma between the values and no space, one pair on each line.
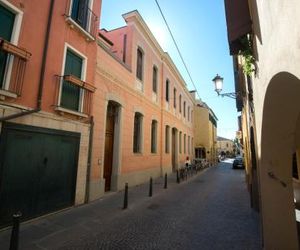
238,163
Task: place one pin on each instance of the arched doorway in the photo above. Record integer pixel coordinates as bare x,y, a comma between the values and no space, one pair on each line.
112,145
280,138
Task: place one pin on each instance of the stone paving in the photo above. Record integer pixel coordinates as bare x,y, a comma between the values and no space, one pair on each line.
209,211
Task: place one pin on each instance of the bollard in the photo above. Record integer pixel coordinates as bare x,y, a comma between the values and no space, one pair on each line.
166,181
178,180
14,238
150,187
126,196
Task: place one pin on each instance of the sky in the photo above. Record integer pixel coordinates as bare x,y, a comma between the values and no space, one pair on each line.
199,28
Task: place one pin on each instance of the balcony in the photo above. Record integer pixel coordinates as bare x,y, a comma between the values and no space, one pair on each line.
74,96
80,16
13,61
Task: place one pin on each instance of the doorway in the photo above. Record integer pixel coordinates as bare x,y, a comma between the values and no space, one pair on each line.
110,139
174,149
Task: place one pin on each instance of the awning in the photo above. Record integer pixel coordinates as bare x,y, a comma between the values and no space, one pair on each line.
238,23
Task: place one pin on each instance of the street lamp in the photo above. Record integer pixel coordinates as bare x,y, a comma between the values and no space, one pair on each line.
218,81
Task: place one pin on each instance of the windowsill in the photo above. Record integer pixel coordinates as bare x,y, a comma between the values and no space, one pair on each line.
72,23
68,111
154,97
137,153
139,85
5,93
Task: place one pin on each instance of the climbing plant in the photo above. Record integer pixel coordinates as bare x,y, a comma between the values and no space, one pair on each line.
247,55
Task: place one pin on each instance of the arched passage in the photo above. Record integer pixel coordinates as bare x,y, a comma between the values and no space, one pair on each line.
278,143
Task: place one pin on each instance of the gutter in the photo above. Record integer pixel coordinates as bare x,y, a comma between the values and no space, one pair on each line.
42,72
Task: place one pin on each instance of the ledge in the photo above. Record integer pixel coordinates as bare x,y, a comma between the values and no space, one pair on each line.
68,111
88,36
6,93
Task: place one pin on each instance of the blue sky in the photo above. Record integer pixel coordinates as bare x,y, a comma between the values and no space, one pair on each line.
199,28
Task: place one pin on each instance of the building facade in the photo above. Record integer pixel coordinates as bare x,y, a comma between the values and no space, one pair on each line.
47,64
142,113
225,147
205,132
265,46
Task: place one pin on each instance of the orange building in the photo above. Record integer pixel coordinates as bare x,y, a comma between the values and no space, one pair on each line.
47,64
142,110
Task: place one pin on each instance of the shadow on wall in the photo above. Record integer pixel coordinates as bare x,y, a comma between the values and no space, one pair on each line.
280,138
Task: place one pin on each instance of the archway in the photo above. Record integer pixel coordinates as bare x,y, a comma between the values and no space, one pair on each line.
279,140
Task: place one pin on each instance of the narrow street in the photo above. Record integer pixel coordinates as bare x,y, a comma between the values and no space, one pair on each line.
209,211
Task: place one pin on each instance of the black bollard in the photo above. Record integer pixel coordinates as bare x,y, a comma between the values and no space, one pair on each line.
150,187
126,196
14,238
166,181
178,180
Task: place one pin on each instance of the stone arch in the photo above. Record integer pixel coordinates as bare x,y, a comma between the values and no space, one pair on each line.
278,143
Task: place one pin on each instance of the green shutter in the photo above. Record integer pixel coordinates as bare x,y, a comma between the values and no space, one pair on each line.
70,96
7,20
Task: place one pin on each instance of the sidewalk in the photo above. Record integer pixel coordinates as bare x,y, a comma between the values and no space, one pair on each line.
52,230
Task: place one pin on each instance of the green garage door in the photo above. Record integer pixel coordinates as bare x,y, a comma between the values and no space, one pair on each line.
38,170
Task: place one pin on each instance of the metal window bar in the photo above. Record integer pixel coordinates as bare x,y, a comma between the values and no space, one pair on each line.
87,91
12,67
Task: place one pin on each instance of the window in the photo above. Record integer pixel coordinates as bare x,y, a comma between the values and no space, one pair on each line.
179,103
7,19
71,95
188,113
192,145
137,133
80,13
154,79
167,90
184,109
180,142
192,115
184,143
167,140
189,145
139,64
154,137
174,98
12,58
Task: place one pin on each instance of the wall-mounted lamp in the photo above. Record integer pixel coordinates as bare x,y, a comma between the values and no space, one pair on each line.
218,81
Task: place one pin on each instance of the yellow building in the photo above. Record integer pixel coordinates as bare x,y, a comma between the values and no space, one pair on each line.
225,146
205,132
266,50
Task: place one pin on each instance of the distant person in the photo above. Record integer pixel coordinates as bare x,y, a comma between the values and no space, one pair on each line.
187,162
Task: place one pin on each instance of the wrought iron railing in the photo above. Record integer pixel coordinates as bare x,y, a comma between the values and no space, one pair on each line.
12,67
80,12
85,91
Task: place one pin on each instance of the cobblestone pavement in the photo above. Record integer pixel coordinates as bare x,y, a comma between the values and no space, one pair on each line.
209,211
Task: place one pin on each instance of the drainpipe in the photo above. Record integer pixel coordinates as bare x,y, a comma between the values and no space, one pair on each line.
89,163
42,72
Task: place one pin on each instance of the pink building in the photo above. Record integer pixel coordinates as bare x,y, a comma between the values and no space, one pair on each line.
142,110
47,64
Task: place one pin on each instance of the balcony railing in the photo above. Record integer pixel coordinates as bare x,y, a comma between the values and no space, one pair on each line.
12,67
78,13
74,95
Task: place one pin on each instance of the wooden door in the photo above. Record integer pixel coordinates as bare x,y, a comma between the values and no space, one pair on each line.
109,145
173,149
